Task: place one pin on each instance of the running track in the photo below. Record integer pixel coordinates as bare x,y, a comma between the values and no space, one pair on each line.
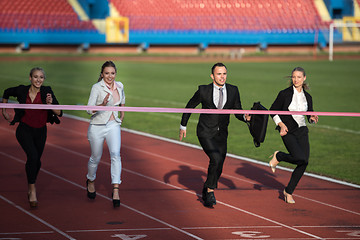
160,195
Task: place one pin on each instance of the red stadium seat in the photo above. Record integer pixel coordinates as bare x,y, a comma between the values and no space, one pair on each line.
235,15
40,15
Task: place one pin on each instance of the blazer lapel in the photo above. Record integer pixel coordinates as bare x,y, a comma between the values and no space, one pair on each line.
228,95
106,89
210,94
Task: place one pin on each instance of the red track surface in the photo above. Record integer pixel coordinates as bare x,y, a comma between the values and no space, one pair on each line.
160,195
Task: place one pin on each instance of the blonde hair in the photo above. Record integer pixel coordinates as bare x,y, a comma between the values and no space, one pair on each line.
37,69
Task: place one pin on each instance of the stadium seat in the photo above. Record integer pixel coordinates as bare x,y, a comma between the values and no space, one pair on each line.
235,15
41,15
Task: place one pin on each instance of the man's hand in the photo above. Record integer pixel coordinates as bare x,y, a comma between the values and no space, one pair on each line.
182,133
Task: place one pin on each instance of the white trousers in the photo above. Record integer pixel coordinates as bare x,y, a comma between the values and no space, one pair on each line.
96,135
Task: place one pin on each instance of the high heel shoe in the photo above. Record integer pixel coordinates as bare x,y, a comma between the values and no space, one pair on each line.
33,204
286,198
273,158
90,195
116,202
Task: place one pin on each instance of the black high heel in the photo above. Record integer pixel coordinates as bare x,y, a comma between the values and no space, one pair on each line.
90,195
116,202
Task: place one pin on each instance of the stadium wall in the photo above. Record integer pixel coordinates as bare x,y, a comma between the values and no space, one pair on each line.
145,39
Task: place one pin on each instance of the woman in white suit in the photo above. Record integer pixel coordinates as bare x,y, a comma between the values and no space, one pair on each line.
105,125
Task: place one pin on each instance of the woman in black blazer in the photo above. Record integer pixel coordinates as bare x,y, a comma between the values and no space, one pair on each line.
292,128
31,132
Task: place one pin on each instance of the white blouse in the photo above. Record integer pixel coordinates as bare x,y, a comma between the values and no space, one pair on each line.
298,103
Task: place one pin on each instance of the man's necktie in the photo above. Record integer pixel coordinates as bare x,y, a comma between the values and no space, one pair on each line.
220,98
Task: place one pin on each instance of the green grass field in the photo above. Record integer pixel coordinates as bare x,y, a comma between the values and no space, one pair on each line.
334,86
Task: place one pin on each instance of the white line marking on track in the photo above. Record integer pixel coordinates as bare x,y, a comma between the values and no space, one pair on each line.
188,191
173,141
99,194
237,157
161,182
230,176
21,233
120,229
327,226
326,204
235,227
33,216
229,154
336,129
281,238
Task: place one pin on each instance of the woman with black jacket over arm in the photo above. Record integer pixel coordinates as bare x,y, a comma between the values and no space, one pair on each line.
31,132
292,128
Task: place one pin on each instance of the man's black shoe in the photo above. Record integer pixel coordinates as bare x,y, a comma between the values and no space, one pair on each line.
211,198
204,194
208,198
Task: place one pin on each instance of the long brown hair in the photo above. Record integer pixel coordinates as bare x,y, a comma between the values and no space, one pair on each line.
106,64
299,69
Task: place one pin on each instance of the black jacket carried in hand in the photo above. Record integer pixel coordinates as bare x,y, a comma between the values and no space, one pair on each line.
258,124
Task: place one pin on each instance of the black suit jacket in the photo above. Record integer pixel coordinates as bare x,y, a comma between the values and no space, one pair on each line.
21,92
209,124
282,102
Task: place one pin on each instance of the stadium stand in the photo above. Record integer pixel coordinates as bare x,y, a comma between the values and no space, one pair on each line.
41,15
42,22
209,22
172,22
208,15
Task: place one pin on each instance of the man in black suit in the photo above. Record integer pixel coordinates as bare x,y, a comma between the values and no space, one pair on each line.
212,129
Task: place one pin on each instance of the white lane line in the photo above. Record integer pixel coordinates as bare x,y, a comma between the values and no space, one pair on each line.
191,120
232,177
35,217
185,163
336,129
326,204
340,226
190,192
99,194
25,233
226,175
328,179
233,227
234,156
192,165
230,206
119,230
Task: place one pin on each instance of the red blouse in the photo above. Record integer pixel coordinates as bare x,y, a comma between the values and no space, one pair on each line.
35,118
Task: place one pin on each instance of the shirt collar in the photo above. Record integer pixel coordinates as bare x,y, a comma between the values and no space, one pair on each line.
106,85
296,91
217,87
